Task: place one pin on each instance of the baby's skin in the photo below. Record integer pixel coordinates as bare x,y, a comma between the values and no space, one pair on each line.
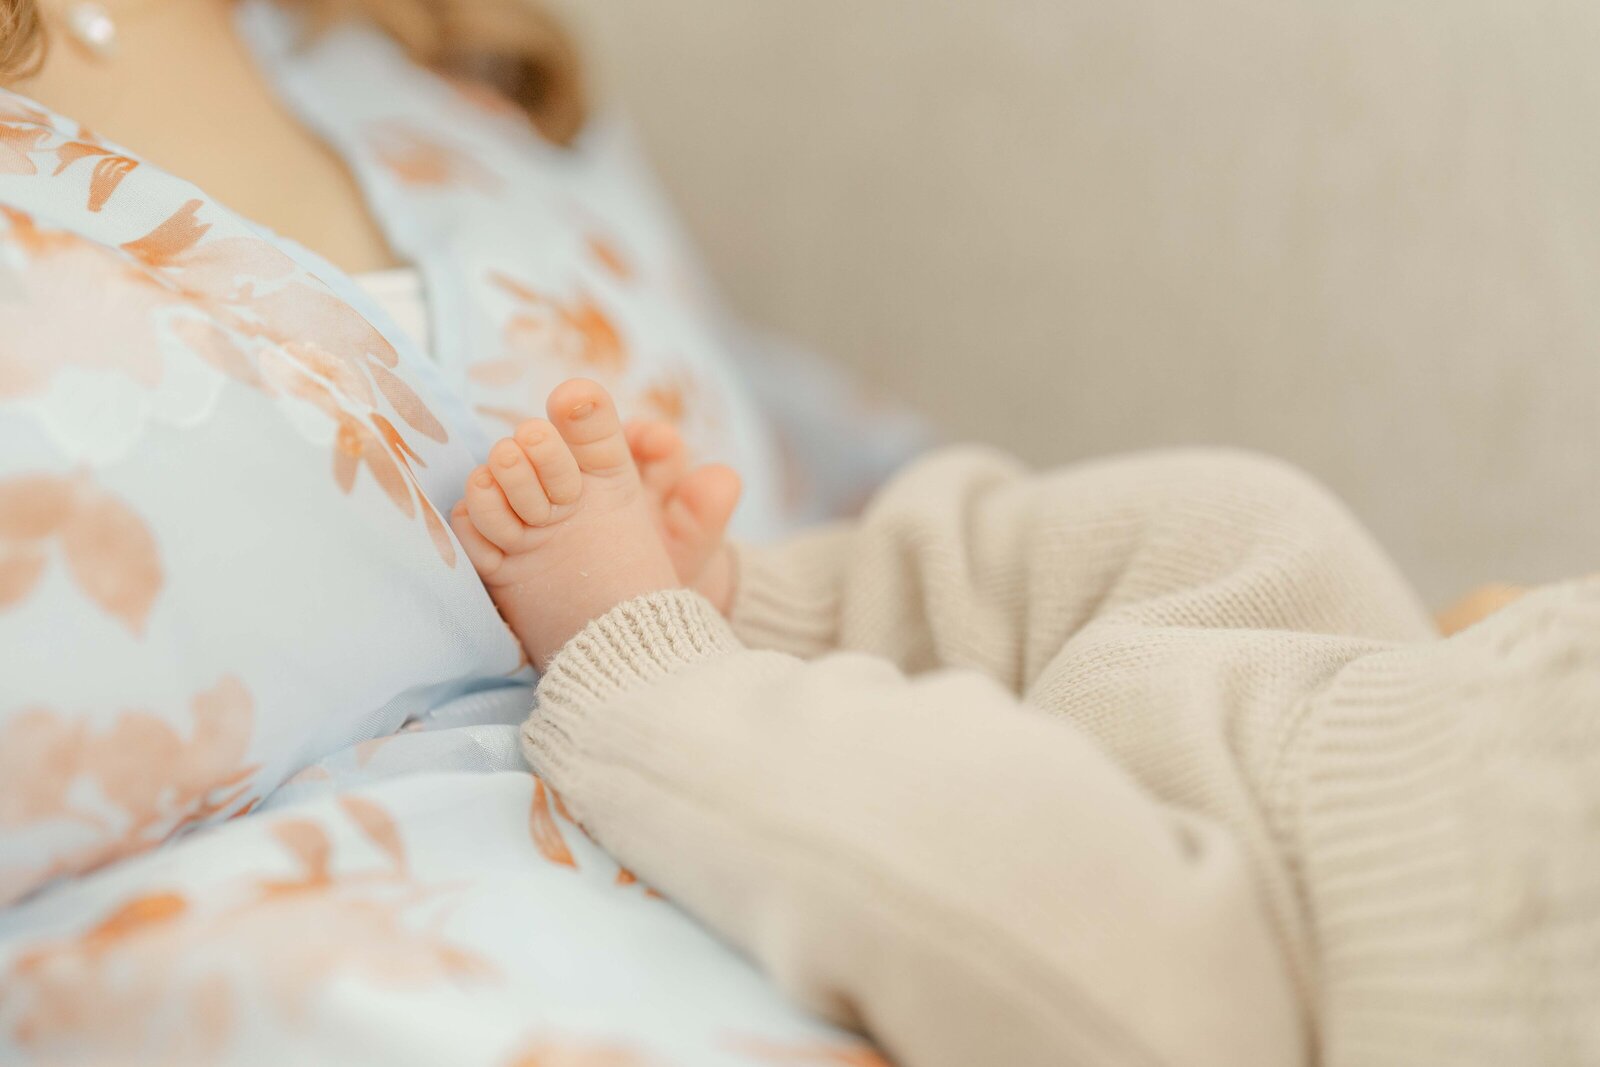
577,513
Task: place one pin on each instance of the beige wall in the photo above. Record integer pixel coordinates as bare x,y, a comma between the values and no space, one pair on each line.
1360,234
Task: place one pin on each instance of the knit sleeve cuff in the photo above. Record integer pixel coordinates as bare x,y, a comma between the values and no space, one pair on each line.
789,596
631,646
1445,792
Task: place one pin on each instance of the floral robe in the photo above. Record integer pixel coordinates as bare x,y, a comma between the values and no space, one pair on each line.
260,797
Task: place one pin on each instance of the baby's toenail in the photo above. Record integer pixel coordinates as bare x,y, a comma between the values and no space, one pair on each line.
583,410
507,459
530,438
482,480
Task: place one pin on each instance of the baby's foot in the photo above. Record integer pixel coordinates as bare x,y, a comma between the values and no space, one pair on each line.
692,508
558,523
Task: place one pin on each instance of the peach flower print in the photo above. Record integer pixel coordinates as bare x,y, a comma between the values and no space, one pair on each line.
576,331
627,878
609,256
109,168
809,1054
22,129
544,1052
511,417
108,549
581,336
244,308
543,829
14,110
17,145
420,160
670,397
131,783
63,306
283,936
316,349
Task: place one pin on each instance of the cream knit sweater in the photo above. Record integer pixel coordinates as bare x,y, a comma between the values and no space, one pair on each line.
1151,761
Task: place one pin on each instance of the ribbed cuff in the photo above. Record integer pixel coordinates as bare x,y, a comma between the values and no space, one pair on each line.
1445,793
634,644
788,596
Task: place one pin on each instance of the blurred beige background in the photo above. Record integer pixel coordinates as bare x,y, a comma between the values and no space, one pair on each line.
1361,234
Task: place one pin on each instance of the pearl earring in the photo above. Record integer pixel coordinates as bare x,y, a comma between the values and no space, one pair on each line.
91,27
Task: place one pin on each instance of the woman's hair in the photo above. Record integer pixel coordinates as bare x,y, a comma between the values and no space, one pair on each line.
514,46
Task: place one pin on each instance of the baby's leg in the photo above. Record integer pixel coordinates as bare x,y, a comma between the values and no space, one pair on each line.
969,559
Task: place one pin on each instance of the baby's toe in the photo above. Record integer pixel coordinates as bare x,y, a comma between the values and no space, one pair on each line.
552,461
659,453
697,512
513,470
586,418
484,557
491,513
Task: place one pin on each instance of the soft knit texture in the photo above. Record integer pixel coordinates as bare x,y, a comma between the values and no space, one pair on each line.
1155,760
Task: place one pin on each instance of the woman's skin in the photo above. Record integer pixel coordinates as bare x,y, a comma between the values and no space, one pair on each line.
184,93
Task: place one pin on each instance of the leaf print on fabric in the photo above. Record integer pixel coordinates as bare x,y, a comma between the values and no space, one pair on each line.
15,109
378,825
510,416
298,314
669,398
610,257
220,739
34,507
422,160
109,551
308,843
263,326
20,143
290,934
112,554
132,784
577,331
407,404
63,306
357,444
544,831
497,371
109,169
443,542
809,1054
366,750
42,755
543,827
231,269
65,991
214,345
627,878
20,569
544,1052
174,236
16,144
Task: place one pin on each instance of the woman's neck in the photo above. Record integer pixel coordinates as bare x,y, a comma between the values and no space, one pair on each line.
183,91
164,50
